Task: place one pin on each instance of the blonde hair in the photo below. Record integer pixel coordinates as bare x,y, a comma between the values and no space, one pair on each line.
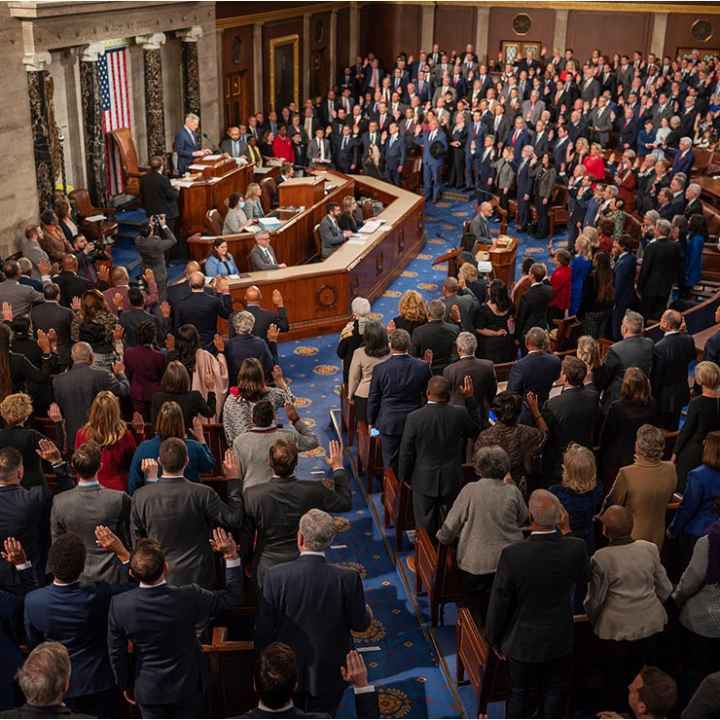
579,471
581,142
16,408
253,190
591,234
588,350
347,203
468,271
412,306
582,245
707,374
105,426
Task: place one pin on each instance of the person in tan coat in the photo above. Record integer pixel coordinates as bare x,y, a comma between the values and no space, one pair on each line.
646,486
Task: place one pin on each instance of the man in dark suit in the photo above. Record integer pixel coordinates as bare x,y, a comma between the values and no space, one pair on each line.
187,146
246,345
673,355
481,372
694,204
394,154
535,302
396,389
623,281
633,350
262,256
276,677
202,309
661,268
70,283
180,515
76,388
436,337
524,186
331,236
159,197
571,417
530,618
535,373
434,146
50,315
273,510
75,614
518,138
346,154
432,451
235,145
168,675
313,606
180,288
265,319
134,316
684,158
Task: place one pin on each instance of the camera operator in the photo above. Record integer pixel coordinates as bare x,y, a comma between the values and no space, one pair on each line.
154,240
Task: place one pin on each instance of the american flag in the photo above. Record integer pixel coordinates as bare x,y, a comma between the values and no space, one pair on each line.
115,107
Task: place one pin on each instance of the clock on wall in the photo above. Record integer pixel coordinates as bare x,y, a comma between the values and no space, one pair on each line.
521,24
702,30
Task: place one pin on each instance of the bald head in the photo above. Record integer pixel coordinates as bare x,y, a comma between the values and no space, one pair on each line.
671,320
69,263
197,280
253,294
545,510
191,267
617,522
438,389
81,353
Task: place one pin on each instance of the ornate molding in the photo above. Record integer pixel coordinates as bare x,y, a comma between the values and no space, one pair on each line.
36,62
153,41
191,35
92,52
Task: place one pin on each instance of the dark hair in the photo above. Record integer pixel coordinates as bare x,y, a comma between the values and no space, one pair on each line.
251,380
499,296
175,379
697,225
51,291
66,558
146,332
606,226
276,675
10,462
603,276
574,370
658,692
376,339
263,414
507,406
217,242
86,460
283,458
11,269
147,560
47,216
332,206
635,387
527,263
233,199
136,297
173,455
187,343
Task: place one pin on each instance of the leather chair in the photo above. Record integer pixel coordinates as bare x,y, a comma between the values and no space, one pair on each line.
213,222
132,170
318,240
268,193
96,229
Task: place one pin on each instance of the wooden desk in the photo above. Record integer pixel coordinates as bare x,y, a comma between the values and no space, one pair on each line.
318,295
710,188
501,258
206,193
701,339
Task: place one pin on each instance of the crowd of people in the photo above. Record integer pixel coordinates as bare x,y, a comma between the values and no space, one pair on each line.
109,389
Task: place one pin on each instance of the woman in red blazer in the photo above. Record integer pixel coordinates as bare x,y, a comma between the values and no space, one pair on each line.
282,146
561,281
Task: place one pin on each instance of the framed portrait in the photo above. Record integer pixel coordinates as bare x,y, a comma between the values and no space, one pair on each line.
284,71
510,52
533,47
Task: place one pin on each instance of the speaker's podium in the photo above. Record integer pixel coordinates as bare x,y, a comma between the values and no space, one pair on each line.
304,191
501,253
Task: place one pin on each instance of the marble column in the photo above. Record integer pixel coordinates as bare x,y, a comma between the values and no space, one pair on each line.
258,66
154,105
427,26
92,124
659,29
190,69
354,32
36,65
306,56
482,29
560,32
333,48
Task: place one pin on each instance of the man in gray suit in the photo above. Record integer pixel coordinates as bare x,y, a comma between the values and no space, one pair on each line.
319,149
331,236
75,389
262,256
234,144
479,225
533,108
154,240
21,297
31,249
87,505
180,515
601,121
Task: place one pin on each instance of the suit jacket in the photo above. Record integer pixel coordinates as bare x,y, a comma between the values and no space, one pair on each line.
683,162
76,616
366,706
163,622
346,157
264,318
313,606
242,347
259,260
273,511
433,448
423,140
185,146
331,236
530,618
202,310
672,357
75,389
79,511
484,381
533,308
21,297
232,149
45,711
158,195
71,286
661,268
394,153
536,372
181,515
396,389
51,315
438,336
313,151
635,351
624,281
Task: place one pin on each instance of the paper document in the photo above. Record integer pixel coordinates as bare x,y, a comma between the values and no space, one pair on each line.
370,227
213,157
199,168
95,218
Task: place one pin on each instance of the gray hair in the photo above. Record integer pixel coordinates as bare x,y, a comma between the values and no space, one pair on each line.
436,310
44,676
360,307
81,352
537,337
634,321
663,227
612,189
192,116
318,530
696,189
243,322
681,177
25,265
492,462
652,216
650,442
545,509
685,141
466,343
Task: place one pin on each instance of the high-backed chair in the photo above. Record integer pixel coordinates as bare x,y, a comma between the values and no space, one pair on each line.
213,222
132,170
318,240
268,193
96,229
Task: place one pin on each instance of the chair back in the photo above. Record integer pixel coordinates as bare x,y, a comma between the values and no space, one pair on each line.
318,241
128,159
213,222
268,193
80,198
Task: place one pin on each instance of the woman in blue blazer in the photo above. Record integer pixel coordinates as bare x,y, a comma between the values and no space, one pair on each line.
220,262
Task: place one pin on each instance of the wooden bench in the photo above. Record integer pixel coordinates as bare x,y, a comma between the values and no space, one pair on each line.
369,456
397,506
347,415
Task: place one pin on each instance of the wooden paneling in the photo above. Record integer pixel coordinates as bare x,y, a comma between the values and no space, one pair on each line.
270,31
500,27
454,26
319,53
611,32
679,33
342,41
407,30
237,74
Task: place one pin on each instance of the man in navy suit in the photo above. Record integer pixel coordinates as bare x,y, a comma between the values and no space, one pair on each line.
524,182
623,281
168,676
684,158
396,389
75,614
484,168
187,146
432,164
561,146
246,345
201,309
313,606
518,138
535,373
394,153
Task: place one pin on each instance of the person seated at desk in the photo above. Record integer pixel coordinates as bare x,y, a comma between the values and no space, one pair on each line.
262,256
234,144
253,207
220,262
287,172
348,217
187,146
330,233
236,219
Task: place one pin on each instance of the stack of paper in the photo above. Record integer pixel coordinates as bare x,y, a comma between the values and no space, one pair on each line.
95,218
213,157
371,226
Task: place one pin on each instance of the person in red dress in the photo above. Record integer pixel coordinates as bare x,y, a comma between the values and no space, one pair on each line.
282,146
561,281
595,163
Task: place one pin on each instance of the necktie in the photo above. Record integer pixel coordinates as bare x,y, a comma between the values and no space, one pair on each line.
344,143
236,149
392,140
322,150
372,138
